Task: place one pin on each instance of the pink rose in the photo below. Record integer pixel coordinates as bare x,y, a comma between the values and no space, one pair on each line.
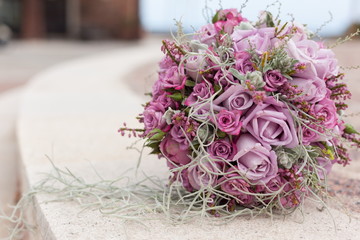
309,135
228,19
233,183
314,89
183,178
204,174
157,89
166,101
229,121
172,150
234,98
274,184
274,79
199,93
271,123
327,112
174,77
256,161
222,149
153,117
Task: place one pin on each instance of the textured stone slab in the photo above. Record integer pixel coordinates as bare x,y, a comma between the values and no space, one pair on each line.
8,152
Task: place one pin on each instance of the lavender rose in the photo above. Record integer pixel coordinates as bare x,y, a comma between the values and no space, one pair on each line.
171,149
224,80
207,34
174,77
243,62
233,183
234,98
193,65
314,89
271,123
256,161
274,79
178,134
222,149
259,39
322,61
200,92
153,117
204,175
229,121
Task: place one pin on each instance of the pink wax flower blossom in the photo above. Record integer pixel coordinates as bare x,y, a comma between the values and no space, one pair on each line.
255,160
233,183
174,77
271,123
222,149
201,92
234,98
229,121
204,175
243,62
173,151
274,79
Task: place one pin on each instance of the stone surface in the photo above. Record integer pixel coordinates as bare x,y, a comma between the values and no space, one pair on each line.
71,113
8,153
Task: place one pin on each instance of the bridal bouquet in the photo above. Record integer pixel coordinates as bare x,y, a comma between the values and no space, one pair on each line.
247,115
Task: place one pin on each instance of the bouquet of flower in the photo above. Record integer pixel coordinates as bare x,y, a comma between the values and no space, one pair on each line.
247,114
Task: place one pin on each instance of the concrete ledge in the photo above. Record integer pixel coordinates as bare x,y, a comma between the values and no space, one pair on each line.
9,188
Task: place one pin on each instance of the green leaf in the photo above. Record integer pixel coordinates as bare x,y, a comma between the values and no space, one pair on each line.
190,83
176,96
236,74
221,134
217,87
170,90
269,20
216,17
350,129
156,130
157,136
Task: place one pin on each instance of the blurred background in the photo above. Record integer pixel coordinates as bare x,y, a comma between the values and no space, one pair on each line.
125,19
52,31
